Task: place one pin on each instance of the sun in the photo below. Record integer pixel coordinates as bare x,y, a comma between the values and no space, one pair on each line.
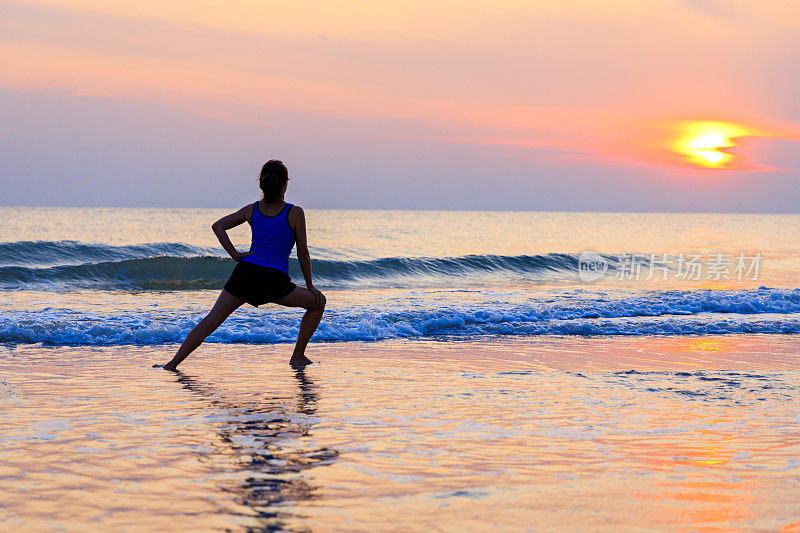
704,143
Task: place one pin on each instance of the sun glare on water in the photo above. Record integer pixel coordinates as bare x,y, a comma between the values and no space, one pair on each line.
704,144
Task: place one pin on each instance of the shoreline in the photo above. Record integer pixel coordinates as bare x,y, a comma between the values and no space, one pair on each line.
567,353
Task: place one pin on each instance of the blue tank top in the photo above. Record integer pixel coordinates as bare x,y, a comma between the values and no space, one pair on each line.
272,240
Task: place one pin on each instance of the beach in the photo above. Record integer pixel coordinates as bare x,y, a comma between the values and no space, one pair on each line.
465,379
319,267
696,433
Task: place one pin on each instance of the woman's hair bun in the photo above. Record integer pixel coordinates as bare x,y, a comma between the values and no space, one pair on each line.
273,177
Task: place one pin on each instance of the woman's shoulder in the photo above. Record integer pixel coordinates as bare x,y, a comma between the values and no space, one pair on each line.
248,211
294,216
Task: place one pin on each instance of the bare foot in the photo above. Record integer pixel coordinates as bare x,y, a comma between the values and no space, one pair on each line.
300,362
165,367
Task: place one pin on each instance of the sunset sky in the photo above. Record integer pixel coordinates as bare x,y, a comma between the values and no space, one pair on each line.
573,105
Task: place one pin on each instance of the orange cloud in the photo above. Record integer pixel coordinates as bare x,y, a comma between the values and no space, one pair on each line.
561,78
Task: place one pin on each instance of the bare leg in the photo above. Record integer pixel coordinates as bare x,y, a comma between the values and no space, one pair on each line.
300,297
226,304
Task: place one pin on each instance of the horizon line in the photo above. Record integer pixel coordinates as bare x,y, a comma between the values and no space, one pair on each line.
420,209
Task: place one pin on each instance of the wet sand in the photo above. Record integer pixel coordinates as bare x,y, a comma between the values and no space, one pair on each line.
601,434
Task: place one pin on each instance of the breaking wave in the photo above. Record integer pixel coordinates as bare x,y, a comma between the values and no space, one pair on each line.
175,266
704,312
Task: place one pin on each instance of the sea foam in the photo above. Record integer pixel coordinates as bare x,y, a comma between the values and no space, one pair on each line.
664,313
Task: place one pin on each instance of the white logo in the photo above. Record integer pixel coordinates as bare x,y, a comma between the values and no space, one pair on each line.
591,266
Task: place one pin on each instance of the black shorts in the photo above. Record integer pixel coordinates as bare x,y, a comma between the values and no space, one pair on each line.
256,284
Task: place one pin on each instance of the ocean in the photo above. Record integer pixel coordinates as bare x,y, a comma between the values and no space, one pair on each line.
503,371
103,276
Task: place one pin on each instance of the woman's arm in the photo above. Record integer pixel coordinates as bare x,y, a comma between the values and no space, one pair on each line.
221,226
299,226
297,219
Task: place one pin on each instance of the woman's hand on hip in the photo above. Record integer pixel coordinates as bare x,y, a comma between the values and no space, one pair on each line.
238,256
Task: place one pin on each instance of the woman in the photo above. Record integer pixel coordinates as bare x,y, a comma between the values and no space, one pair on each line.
262,274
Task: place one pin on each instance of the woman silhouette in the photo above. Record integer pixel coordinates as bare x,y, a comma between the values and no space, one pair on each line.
262,274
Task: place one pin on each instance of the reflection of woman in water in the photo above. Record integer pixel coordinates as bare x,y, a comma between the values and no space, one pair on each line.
262,274
262,447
